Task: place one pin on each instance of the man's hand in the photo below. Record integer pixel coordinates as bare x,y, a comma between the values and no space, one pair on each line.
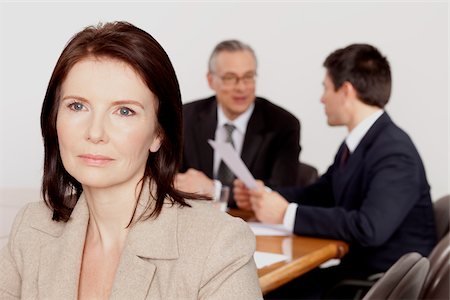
268,206
194,181
242,195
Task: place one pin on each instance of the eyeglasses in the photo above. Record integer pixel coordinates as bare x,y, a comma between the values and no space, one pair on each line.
232,79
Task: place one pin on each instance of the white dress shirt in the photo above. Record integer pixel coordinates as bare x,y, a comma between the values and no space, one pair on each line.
238,135
352,141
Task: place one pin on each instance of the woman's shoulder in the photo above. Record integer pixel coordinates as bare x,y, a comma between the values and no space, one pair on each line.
35,211
36,216
38,207
219,248
208,220
203,211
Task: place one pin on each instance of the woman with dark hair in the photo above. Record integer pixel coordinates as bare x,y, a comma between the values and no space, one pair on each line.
112,225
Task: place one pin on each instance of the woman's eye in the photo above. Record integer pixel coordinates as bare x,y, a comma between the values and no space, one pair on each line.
77,106
125,111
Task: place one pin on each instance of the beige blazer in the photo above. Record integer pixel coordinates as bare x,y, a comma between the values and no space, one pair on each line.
186,253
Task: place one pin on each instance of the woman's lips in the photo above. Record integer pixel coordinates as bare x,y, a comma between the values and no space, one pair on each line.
95,160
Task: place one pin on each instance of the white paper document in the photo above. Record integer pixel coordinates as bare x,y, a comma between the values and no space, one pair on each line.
233,161
268,229
263,259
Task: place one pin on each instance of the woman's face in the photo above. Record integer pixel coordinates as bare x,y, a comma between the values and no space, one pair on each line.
106,123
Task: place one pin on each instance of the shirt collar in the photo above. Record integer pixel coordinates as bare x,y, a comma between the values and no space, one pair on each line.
240,122
355,136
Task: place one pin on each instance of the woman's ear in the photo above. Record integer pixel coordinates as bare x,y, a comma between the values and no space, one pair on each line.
156,143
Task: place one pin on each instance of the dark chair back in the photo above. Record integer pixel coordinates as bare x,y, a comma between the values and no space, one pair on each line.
404,280
307,174
442,215
439,291
436,283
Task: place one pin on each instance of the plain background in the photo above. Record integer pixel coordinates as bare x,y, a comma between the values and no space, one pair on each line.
291,40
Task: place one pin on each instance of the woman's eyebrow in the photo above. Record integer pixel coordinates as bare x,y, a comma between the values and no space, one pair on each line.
125,102
117,102
75,97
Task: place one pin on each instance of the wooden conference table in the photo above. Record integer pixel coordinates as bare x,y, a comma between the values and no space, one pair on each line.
306,254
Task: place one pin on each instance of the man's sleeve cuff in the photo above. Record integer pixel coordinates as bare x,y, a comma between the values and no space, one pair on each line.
289,216
217,189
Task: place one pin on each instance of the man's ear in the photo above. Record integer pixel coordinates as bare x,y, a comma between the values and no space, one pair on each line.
210,78
156,143
349,90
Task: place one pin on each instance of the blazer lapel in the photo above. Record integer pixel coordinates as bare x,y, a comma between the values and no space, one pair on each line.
133,277
343,175
254,136
60,260
148,241
205,130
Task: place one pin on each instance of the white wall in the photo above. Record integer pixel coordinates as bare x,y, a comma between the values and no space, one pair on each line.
291,40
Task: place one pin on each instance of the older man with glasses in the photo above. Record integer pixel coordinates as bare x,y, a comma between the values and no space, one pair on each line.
266,136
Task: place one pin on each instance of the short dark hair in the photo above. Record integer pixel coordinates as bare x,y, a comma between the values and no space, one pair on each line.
135,47
365,68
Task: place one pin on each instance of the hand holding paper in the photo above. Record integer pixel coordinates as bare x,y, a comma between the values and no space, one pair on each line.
232,159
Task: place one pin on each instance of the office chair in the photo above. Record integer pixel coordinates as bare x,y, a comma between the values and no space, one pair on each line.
307,174
441,209
440,291
437,281
403,280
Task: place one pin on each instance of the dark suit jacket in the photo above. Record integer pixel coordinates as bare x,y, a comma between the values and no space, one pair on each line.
379,202
271,144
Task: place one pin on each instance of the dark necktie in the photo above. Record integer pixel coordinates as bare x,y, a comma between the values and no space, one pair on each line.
345,155
224,173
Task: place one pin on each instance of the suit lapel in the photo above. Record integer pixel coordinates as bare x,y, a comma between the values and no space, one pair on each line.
148,241
343,175
254,135
134,277
60,260
205,130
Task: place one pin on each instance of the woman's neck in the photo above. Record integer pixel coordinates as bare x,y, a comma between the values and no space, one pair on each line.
110,212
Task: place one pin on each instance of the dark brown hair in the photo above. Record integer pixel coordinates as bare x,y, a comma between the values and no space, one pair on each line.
138,49
365,68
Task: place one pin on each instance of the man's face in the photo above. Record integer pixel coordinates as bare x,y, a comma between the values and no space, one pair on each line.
233,80
335,102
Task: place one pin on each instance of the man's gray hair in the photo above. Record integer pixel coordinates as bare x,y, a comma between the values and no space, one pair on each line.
230,46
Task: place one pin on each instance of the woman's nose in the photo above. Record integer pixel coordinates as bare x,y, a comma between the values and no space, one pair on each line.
96,130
